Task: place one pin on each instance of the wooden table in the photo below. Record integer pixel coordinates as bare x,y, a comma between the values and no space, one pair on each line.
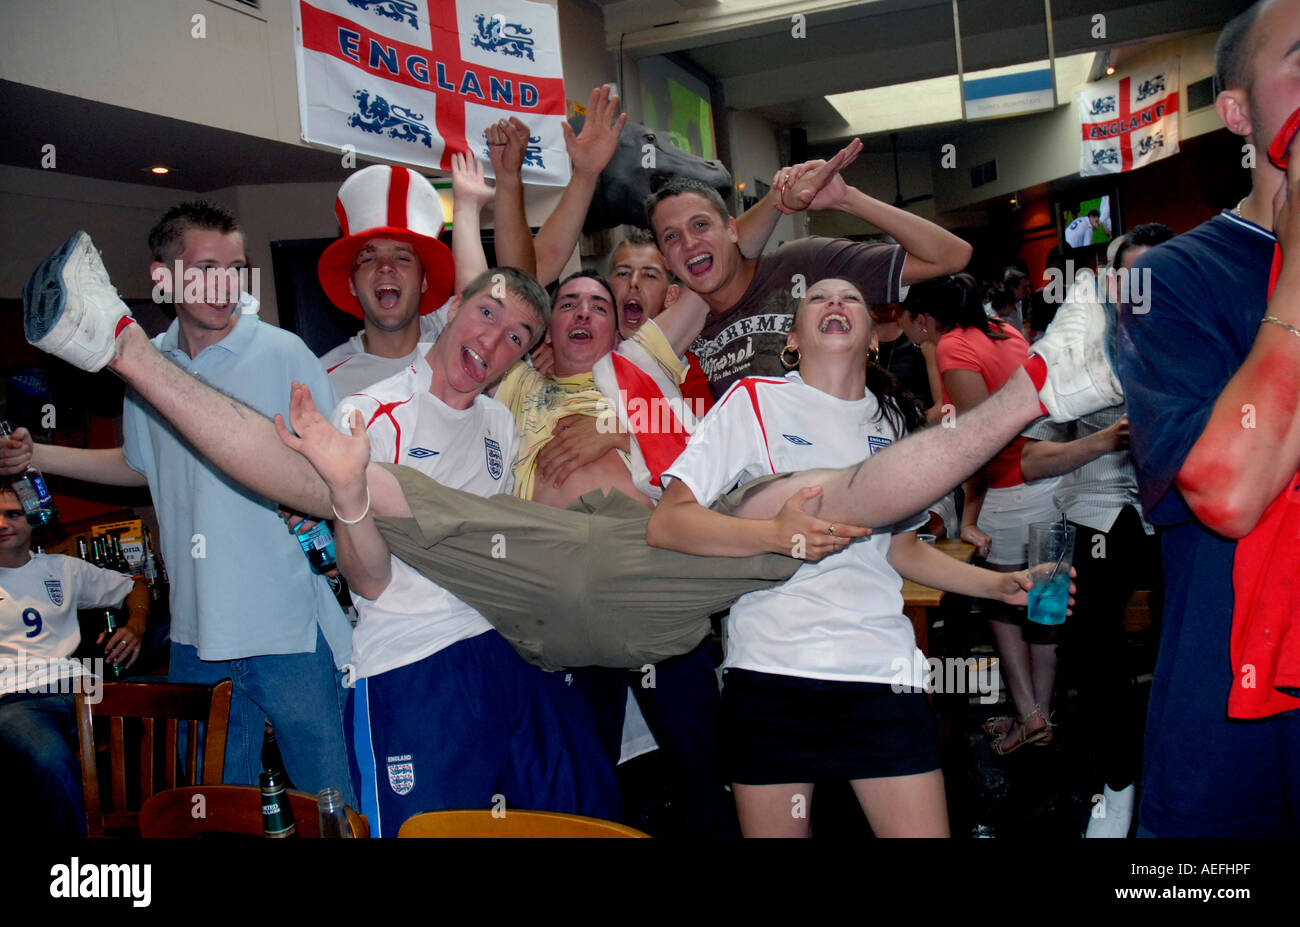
918,599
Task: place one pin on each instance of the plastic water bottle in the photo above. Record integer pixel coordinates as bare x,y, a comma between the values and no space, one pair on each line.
38,504
318,545
331,814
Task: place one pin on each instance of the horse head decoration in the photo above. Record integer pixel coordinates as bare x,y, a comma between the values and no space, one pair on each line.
625,183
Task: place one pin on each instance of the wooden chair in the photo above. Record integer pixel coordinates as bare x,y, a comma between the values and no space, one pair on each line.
481,823
209,810
141,755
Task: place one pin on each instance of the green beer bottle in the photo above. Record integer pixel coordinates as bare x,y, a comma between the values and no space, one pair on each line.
100,557
277,814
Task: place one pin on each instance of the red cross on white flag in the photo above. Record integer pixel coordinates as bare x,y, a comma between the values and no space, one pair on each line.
415,80
1130,121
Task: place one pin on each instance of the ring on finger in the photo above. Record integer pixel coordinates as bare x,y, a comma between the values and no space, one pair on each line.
831,530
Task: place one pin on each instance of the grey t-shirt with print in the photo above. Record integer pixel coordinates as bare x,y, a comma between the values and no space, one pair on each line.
747,340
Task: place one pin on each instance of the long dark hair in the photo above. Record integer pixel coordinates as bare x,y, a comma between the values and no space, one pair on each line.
895,405
898,406
953,302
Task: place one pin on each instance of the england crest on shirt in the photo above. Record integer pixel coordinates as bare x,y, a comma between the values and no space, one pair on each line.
54,589
877,443
401,773
495,461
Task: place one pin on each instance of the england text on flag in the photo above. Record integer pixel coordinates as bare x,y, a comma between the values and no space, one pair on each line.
1130,121
416,80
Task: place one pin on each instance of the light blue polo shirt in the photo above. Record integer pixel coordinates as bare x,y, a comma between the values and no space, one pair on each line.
240,584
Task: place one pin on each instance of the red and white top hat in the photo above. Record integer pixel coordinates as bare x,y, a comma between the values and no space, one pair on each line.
381,201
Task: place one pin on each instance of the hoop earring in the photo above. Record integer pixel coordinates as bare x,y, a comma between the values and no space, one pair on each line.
790,365
873,355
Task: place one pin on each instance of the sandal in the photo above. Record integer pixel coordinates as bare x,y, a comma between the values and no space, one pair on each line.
1049,732
998,725
1025,736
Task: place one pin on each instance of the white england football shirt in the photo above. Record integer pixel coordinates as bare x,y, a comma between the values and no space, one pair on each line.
38,617
842,617
351,368
1078,234
468,449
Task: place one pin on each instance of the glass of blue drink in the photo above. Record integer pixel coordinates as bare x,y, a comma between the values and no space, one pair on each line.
1051,550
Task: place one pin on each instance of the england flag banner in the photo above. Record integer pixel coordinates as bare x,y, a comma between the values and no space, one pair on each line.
415,81
1130,121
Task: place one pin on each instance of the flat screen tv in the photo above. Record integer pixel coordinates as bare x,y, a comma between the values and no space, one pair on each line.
676,103
1087,220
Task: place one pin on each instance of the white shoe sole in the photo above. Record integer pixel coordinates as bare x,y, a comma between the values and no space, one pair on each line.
1080,376
62,313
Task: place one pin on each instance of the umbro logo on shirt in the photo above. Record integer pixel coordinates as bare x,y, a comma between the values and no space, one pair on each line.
795,439
420,453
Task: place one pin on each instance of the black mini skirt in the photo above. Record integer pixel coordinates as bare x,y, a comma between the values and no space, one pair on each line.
778,729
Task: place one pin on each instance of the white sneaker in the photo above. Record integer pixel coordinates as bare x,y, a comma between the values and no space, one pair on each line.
1078,349
71,309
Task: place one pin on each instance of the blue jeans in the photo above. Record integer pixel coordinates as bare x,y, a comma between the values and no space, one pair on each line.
301,693
39,770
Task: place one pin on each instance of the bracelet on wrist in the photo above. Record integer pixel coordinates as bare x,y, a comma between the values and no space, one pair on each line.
1276,321
359,518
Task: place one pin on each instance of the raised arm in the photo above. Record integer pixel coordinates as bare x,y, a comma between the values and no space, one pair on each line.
470,193
589,152
793,188
755,225
931,251
507,145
